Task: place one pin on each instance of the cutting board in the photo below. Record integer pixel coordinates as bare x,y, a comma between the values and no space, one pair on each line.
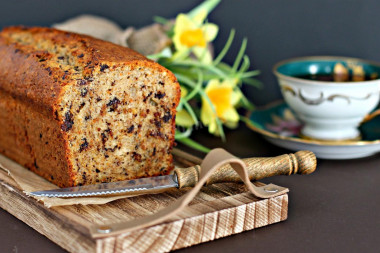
217,211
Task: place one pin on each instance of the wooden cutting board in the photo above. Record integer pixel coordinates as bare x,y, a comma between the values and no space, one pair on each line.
219,210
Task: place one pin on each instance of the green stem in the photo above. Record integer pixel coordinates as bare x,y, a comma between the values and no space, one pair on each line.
193,144
207,5
240,55
225,48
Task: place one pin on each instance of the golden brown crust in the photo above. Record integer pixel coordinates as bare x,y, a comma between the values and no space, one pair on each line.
34,85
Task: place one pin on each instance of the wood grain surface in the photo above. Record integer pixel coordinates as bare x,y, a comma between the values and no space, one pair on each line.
217,211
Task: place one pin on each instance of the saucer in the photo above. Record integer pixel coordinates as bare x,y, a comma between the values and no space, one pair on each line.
278,124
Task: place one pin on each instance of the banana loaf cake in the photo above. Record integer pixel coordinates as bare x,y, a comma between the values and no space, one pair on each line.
77,110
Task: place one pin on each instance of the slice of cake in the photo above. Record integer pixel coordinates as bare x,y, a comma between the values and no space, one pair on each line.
77,110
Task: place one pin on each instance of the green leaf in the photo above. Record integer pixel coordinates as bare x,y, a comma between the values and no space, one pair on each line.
191,112
225,49
160,20
250,73
195,145
220,129
253,82
197,88
240,55
245,102
245,65
207,5
181,135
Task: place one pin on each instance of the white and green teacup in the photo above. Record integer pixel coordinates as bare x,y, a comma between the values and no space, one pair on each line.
330,110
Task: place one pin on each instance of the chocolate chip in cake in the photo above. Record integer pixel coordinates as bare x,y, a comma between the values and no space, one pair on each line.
130,129
61,57
136,156
68,122
162,83
167,116
157,123
154,151
97,171
84,145
113,104
104,67
80,56
35,164
159,95
83,92
104,138
81,82
48,69
145,98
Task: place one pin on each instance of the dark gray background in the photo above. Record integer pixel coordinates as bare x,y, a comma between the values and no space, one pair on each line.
276,30
336,209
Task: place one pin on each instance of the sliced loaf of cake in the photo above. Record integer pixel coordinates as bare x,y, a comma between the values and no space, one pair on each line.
77,110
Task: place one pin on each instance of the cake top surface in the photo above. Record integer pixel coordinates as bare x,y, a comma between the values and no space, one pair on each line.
68,54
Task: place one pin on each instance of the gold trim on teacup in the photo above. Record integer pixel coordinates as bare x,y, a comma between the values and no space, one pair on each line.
321,99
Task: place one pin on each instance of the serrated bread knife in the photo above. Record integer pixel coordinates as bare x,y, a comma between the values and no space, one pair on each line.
302,162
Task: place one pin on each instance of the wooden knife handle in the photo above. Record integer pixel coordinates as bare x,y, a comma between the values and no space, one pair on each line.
302,162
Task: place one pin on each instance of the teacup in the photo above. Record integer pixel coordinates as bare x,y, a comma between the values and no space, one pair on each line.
331,110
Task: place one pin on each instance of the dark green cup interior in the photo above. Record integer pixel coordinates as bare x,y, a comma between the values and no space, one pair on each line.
317,66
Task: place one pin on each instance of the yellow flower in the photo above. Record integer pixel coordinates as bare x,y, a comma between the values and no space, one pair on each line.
193,34
223,99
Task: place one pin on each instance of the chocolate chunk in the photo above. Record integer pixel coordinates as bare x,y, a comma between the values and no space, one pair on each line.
104,138
167,116
64,75
97,171
81,82
87,118
159,95
113,104
145,98
157,123
136,156
130,129
84,145
162,83
104,67
80,56
56,115
81,106
35,164
154,151
68,122
83,92
61,57
48,69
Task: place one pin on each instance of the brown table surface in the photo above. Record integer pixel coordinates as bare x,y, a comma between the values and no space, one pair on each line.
336,209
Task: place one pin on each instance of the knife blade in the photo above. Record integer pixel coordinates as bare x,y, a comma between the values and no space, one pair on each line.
302,162
141,185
